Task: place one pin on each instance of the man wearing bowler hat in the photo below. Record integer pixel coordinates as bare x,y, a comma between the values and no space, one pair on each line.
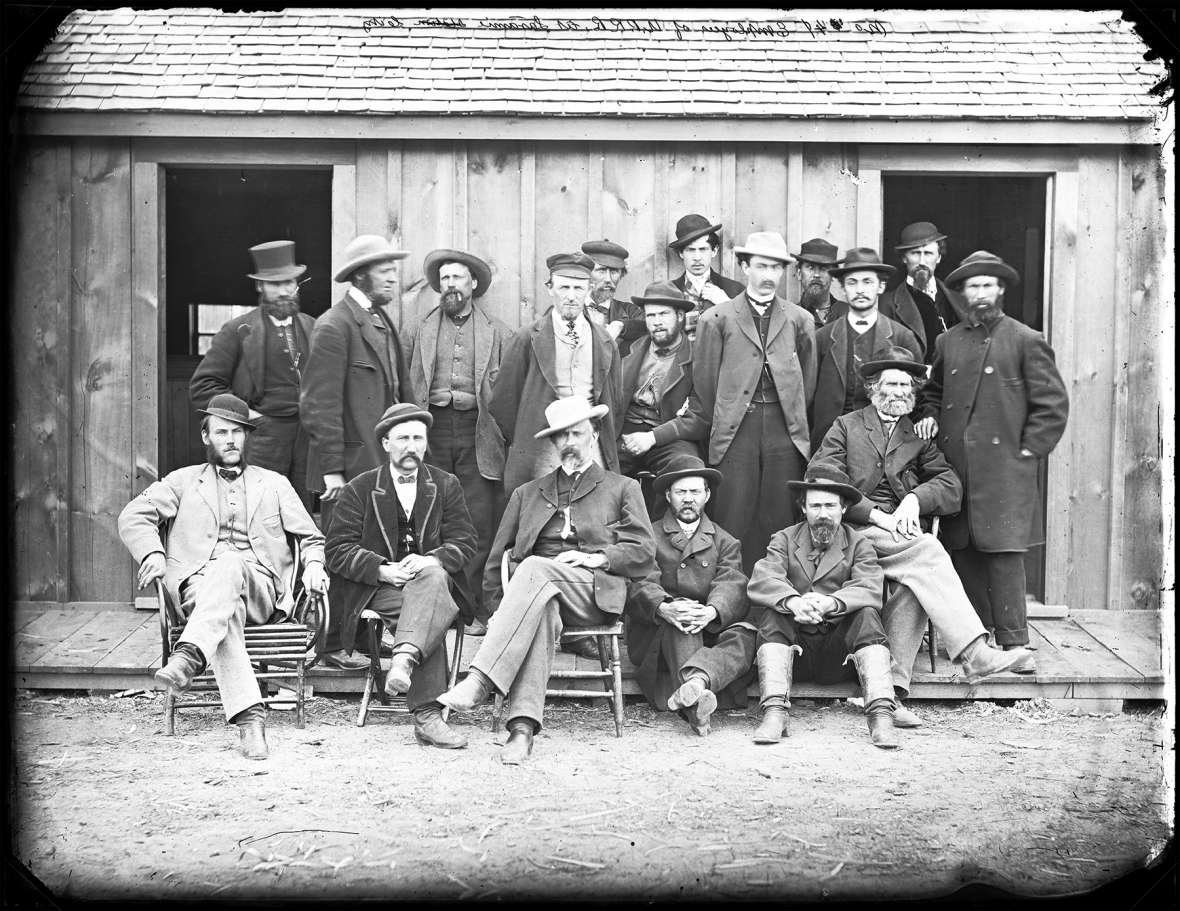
260,357
355,370
399,542
622,319
687,632
813,268
575,537
454,356
753,381
698,240
846,343
657,379
227,561
922,302
997,406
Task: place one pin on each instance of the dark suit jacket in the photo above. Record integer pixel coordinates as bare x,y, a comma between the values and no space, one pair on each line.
831,343
347,385
728,285
609,513
921,315
836,309
856,445
848,571
236,359
362,535
634,324
673,390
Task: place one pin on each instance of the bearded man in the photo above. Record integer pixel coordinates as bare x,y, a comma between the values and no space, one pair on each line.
621,319
813,268
259,357
922,302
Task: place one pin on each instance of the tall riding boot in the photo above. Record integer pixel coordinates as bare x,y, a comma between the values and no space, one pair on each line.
776,663
876,682
252,731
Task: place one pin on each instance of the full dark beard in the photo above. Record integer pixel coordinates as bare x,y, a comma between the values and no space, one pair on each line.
452,303
602,294
921,276
822,532
814,297
281,308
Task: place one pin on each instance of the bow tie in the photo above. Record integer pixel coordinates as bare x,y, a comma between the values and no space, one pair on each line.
663,352
407,479
230,474
861,322
816,555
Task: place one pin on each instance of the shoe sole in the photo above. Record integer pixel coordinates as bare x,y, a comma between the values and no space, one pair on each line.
1010,669
170,684
687,695
430,742
396,686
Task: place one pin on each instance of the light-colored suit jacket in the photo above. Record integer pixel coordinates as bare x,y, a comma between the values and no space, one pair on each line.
187,498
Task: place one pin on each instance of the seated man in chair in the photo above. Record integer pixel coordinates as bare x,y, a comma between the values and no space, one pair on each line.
578,534
227,560
399,538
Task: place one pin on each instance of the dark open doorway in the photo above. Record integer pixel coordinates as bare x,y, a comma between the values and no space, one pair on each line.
1002,214
212,217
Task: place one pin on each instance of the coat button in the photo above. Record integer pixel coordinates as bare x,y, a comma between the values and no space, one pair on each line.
954,371
704,563
995,441
878,464
950,406
684,566
989,369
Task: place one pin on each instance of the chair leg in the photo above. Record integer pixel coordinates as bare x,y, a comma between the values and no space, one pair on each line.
933,643
169,713
617,667
366,695
497,713
300,720
453,670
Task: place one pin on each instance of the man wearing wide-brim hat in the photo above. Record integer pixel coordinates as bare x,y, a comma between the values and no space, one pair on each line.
227,561
260,357
754,373
687,629
813,268
355,371
816,599
697,243
399,544
622,319
843,345
997,406
904,478
454,356
921,301
575,536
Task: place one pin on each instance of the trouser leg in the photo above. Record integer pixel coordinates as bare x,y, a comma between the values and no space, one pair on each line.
725,660
972,569
1007,587
905,624
735,506
779,462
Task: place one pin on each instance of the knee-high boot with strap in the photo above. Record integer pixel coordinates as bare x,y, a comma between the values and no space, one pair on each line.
776,663
876,682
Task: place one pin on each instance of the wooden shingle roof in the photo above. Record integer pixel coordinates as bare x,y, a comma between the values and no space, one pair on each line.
967,65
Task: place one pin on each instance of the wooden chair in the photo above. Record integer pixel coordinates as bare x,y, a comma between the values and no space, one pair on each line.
931,636
280,652
370,629
606,636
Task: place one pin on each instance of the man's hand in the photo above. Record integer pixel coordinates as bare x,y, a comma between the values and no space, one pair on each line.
638,443
415,563
315,578
804,611
675,613
332,485
614,327
905,519
702,615
577,558
926,429
151,569
393,574
713,294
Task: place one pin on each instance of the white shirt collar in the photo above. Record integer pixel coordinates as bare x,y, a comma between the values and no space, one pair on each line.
280,322
360,297
689,530
853,316
931,288
697,284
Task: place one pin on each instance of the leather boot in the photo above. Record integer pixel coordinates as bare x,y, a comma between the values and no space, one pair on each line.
185,663
979,660
252,732
401,666
519,745
586,646
1025,665
431,730
469,692
876,682
695,703
776,663
903,717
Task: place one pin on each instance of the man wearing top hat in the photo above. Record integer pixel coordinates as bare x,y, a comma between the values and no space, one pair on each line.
813,268
559,355
575,536
697,243
846,343
227,560
816,599
687,632
453,357
996,405
657,379
753,381
922,303
622,319
399,542
903,478
355,370
259,357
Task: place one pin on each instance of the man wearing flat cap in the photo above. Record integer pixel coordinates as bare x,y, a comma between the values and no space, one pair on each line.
657,379
816,599
753,382
559,355
399,543
453,357
997,406
687,632
354,372
813,268
227,560
697,243
922,302
846,343
575,537
622,319
903,478
260,357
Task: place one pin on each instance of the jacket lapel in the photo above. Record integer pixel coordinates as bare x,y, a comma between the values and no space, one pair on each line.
484,336
255,488
589,480
369,333
840,352
254,349
833,555
702,540
632,364
677,368
801,547
430,330
385,508
600,362
903,432
874,427
425,500
545,349
745,321
778,319
207,487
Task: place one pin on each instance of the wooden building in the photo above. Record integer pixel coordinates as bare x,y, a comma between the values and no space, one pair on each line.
155,147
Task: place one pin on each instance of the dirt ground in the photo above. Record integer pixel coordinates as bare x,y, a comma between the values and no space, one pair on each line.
1021,797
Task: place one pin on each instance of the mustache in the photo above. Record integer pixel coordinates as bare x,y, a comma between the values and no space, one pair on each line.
570,452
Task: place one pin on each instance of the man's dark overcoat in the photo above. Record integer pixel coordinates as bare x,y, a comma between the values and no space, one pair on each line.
898,303
994,391
363,531
673,390
634,325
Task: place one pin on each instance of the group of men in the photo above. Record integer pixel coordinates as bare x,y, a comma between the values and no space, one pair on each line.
821,435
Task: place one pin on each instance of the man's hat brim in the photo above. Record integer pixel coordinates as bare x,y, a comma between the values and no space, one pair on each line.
929,239
995,269
883,269
677,303
871,368
662,482
595,412
687,239
849,493
230,416
360,262
480,271
285,273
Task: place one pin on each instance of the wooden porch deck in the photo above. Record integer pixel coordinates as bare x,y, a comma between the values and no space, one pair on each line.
1089,655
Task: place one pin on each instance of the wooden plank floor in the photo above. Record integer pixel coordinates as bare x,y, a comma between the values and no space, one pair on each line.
1088,655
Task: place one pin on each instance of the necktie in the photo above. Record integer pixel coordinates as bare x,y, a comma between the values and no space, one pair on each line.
292,349
816,555
229,474
861,322
571,333
407,479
